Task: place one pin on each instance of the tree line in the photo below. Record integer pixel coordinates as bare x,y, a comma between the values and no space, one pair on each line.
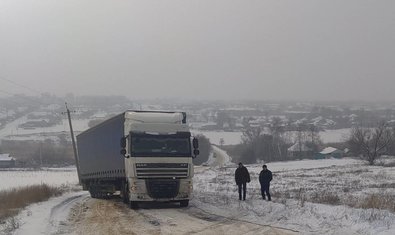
272,143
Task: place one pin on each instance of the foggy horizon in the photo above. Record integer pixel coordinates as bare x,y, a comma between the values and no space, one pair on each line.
200,50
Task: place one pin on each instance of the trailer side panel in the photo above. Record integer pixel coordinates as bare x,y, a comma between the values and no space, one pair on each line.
99,150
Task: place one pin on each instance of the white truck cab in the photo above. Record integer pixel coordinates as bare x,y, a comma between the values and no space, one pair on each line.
158,150
146,155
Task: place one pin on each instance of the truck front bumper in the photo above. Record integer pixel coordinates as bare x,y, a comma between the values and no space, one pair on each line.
161,190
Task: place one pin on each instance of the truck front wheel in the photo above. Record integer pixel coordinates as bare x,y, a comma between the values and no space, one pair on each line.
125,193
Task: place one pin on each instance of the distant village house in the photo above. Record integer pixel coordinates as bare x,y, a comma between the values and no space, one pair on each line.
299,151
6,161
330,152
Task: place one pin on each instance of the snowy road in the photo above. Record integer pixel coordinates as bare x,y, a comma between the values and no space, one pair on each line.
222,157
113,217
77,213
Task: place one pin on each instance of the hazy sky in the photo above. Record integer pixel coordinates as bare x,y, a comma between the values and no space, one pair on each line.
204,49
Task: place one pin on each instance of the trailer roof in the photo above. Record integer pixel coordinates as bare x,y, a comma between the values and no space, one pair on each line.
179,117
156,116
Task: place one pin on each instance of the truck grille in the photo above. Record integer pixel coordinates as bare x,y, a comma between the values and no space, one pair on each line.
161,170
162,188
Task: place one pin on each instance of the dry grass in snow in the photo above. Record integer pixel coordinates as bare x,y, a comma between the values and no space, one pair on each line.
13,200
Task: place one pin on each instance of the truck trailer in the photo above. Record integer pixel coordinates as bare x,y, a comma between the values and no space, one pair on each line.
140,155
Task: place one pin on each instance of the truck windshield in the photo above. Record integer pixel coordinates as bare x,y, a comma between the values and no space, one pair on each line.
145,145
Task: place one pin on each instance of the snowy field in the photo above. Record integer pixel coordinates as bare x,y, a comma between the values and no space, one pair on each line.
51,176
311,196
14,132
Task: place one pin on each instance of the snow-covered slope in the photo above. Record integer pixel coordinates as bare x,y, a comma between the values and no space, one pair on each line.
309,197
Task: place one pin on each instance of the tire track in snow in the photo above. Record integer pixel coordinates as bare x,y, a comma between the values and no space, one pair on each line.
268,228
49,217
58,219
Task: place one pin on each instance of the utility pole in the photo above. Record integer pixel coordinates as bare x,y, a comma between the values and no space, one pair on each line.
41,157
73,142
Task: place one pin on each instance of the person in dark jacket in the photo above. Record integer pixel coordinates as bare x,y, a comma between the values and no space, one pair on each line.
242,177
264,179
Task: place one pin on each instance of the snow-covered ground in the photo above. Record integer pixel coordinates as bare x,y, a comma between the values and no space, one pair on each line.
309,197
24,177
218,157
48,217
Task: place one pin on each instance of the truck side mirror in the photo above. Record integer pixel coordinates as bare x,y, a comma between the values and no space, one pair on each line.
195,143
123,142
123,147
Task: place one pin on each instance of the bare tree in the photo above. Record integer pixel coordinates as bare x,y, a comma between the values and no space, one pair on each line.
277,129
224,118
250,134
370,143
313,137
221,141
301,130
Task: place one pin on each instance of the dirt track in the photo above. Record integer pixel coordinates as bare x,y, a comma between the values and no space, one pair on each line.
94,216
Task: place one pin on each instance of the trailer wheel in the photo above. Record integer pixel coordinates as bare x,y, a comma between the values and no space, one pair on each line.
133,205
92,193
184,203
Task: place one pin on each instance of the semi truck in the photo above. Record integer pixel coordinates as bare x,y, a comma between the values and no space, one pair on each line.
140,155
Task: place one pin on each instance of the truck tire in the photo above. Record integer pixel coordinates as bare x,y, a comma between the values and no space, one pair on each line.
92,193
125,194
184,203
133,205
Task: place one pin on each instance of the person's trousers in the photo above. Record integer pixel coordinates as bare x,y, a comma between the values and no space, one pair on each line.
265,189
242,186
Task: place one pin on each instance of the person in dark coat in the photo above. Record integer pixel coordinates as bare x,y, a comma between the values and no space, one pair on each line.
264,179
242,177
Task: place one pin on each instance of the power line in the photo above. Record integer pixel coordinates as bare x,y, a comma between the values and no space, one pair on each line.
25,98
8,100
20,85
23,86
5,92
